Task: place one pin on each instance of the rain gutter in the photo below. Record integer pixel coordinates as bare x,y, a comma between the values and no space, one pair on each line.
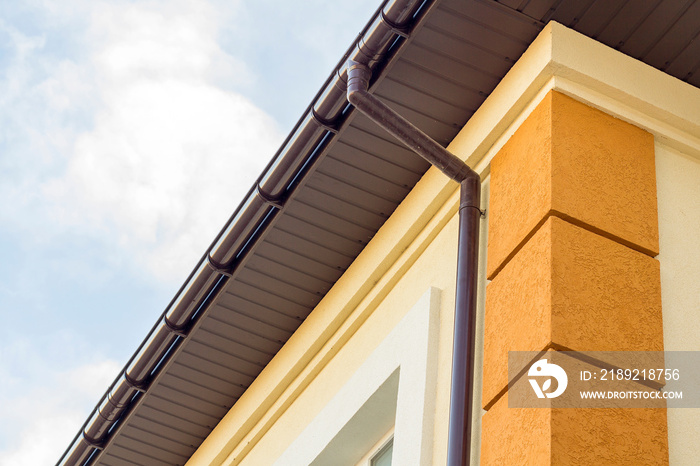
379,41
462,387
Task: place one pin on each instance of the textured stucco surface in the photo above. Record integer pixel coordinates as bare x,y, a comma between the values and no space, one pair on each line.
521,193
573,436
515,435
603,173
576,162
611,436
573,288
518,310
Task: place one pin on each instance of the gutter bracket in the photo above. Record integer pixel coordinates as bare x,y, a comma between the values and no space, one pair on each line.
323,123
395,28
180,330
218,267
138,386
276,202
94,443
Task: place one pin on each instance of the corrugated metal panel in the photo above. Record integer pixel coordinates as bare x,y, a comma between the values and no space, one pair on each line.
444,74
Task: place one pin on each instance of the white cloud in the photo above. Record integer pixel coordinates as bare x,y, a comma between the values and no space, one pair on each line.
43,407
135,138
121,129
170,153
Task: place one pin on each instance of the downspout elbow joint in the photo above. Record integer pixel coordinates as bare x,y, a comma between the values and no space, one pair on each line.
358,79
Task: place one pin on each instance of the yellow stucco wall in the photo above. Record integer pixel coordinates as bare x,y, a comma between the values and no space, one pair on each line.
415,250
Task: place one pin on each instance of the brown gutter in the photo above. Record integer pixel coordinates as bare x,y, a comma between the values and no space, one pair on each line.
375,46
462,389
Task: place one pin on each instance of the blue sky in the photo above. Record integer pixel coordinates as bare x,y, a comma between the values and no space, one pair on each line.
129,131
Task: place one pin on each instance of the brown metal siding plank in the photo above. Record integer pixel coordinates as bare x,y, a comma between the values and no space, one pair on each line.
155,441
217,384
474,51
514,4
319,235
440,110
654,27
184,423
225,369
118,455
673,43
570,12
289,279
212,353
599,16
160,399
233,341
353,154
466,102
107,459
687,65
451,84
370,138
268,299
267,334
539,9
374,186
630,17
359,176
292,273
168,430
277,287
477,31
233,300
366,200
311,264
489,12
329,221
145,453
348,210
198,404
196,388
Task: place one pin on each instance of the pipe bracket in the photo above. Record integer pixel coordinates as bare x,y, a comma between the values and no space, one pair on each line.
482,213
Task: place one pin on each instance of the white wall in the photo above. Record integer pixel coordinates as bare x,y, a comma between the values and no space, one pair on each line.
678,185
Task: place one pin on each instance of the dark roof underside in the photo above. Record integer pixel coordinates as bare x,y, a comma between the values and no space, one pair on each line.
444,73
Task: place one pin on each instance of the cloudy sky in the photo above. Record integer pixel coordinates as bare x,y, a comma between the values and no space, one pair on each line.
129,131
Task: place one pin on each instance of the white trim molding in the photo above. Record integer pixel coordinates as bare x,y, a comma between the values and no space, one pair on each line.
395,386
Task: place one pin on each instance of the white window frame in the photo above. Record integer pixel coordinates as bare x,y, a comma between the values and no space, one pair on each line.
402,369
378,449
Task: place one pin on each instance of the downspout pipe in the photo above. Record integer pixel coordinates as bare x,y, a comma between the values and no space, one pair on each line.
462,387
